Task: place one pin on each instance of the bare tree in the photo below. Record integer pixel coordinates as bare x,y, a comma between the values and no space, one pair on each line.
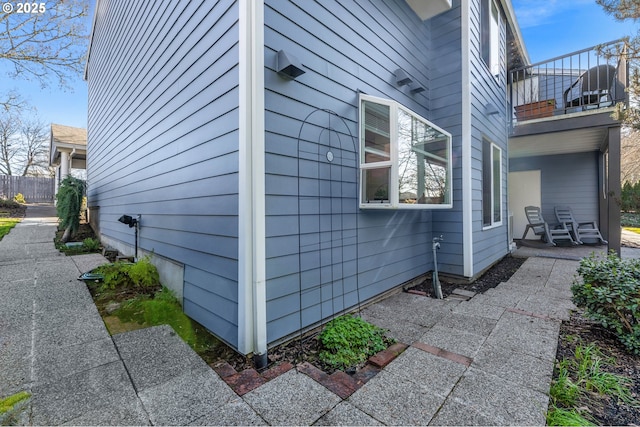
623,10
34,148
630,159
46,43
9,126
24,144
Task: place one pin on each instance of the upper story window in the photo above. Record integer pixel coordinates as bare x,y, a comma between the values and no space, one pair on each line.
490,35
405,160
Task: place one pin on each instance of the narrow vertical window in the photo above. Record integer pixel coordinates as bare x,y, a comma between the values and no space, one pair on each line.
490,35
491,184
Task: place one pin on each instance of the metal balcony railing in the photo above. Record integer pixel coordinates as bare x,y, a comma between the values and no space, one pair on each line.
588,79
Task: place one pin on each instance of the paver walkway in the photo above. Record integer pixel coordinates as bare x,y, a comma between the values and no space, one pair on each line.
488,360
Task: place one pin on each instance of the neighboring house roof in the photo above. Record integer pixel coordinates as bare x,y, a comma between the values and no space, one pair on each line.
69,139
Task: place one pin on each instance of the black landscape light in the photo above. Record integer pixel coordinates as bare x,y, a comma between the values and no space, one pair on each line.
129,220
132,222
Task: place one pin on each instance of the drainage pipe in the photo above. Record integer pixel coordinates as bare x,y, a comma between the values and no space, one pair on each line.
437,289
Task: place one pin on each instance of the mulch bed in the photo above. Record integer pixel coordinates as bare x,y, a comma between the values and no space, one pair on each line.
13,212
605,411
498,273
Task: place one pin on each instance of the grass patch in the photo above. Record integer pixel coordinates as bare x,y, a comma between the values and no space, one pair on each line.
130,297
567,417
8,403
6,224
580,382
633,229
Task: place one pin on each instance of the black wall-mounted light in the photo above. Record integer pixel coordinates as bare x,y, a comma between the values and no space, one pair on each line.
288,65
402,78
417,89
132,222
128,220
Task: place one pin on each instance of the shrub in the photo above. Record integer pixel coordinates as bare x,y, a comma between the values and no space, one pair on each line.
9,204
91,244
610,293
141,274
68,202
19,198
348,341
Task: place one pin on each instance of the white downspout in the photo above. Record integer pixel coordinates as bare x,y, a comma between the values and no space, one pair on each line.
252,313
467,193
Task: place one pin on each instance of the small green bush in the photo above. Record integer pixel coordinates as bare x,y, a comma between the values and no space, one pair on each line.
348,341
91,244
610,293
9,204
141,274
19,198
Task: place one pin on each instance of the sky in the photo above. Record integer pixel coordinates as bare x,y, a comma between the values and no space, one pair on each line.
553,28
550,28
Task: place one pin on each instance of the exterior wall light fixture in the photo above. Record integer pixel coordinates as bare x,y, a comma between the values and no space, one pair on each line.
288,65
402,78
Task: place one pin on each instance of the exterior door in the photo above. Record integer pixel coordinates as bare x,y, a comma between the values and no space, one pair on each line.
524,190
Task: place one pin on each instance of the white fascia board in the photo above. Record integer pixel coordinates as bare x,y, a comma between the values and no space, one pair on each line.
252,318
467,194
85,75
515,27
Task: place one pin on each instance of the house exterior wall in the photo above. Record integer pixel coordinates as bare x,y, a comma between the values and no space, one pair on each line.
163,142
576,187
489,243
347,254
446,109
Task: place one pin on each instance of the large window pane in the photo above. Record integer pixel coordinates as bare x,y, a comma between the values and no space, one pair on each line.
405,160
375,185
422,162
376,132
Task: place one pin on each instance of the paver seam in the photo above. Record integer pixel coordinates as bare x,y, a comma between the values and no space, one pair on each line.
133,384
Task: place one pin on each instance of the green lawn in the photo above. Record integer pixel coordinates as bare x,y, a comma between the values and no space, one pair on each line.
6,224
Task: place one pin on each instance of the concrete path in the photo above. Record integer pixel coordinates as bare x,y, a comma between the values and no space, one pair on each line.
488,360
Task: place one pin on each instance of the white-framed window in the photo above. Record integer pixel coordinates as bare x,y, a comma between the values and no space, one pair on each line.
490,35
405,160
491,184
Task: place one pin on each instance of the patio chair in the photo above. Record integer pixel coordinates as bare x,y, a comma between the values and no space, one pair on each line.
595,86
580,231
549,233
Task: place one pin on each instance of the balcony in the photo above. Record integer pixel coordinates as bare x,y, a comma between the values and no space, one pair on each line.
583,86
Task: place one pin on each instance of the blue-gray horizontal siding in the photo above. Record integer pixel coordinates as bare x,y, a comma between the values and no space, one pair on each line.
335,254
163,141
489,245
446,110
566,180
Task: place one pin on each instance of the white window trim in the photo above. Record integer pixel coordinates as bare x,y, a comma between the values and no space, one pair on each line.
494,64
394,195
498,223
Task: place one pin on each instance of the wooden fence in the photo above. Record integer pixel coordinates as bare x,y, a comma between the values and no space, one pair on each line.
34,190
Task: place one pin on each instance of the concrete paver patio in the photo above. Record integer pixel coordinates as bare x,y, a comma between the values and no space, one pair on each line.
488,360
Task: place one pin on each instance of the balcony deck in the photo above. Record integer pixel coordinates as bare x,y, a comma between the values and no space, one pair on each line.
575,91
